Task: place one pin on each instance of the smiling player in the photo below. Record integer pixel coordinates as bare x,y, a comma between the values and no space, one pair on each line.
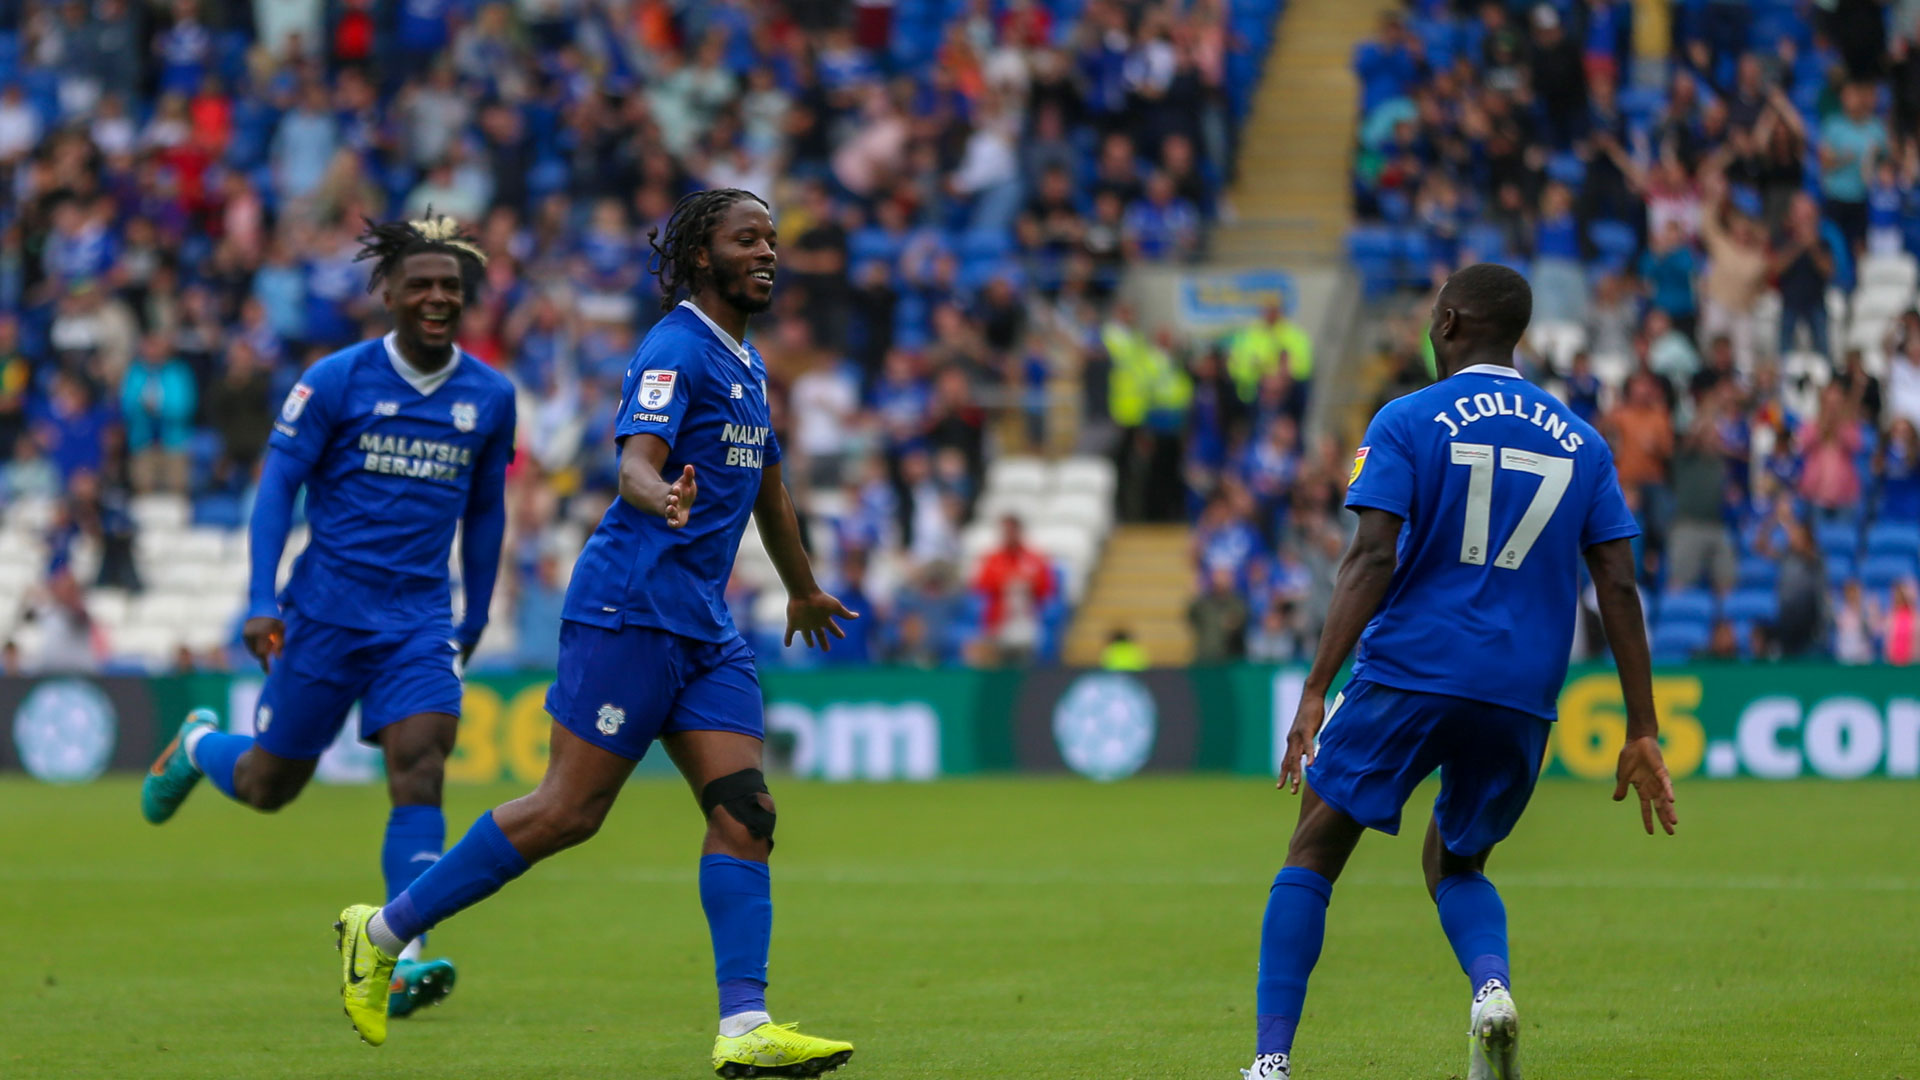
397,441
648,651
1478,499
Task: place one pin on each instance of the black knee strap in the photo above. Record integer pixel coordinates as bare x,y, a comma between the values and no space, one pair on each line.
739,794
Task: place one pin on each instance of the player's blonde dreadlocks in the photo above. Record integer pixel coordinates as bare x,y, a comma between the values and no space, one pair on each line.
688,229
390,243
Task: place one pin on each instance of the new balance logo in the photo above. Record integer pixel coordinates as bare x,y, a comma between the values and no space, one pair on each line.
386,408
738,391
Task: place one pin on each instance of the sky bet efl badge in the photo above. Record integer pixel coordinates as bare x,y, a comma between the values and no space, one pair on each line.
656,389
1359,462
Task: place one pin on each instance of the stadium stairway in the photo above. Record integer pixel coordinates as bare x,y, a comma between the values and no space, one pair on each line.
1291,196
1143,585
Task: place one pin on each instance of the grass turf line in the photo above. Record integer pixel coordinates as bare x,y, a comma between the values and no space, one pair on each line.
1031,928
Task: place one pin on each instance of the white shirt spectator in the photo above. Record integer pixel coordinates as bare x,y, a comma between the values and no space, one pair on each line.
823,402
19,126
1903,384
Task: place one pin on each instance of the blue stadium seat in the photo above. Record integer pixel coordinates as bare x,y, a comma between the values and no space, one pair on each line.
217,511
1753,605
1837,538
1677,641
1687,605
1613,239
1567,169
1486,241
1884,571
983,244
1840,570
1758,573
1894,538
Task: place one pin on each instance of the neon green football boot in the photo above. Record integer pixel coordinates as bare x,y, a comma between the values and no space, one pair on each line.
366,972
777,1050
173,775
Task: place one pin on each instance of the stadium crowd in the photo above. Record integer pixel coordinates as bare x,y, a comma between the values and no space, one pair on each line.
1696,230
958,185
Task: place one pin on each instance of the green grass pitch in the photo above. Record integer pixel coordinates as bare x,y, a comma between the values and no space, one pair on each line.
1003,928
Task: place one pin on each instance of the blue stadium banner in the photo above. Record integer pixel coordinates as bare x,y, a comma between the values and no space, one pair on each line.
1226,299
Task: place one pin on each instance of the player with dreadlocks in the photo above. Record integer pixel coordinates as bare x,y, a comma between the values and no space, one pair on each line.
397,441
648,651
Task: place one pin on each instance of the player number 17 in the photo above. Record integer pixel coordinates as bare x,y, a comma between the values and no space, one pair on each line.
1555,474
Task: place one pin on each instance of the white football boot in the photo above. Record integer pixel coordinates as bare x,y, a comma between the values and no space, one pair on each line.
1494,1038
1268,1067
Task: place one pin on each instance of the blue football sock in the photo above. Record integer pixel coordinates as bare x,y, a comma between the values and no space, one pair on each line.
473,870
415,837
1290,940
738,898
1476,924
217,753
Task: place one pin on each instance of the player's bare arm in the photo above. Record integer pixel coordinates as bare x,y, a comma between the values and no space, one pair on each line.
642,484
1641,766
1365,571
811,611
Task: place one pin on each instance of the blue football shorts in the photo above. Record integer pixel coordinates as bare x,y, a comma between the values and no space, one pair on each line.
1379,743
323,669
622,689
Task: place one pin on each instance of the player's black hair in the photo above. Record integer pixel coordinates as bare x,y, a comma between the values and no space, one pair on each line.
1500,297
688,229
389,245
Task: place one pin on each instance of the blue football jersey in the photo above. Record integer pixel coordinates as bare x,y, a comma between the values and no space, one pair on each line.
391,471
1503,489
706,396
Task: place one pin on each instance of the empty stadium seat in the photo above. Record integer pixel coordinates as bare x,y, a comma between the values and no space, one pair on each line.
1894,538
1753,605
1678,641
1085,473
1756,572
1885,571
1687,605
1017,474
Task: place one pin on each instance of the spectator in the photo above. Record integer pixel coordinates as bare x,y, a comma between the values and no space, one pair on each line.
1266,346
1856,627
74,430
1902,634
1582,391
536,619
1897,471
28,474
1829,478
1700,540
1850,143
1802,589
10,665
70,642
1559,279
857,647
1736,273
1015,582
1161,227
1803,265
158,399
1640,431
1219,620
1723,645
1862,389
239,409
1668,268
1277,638
1903,380
1122,653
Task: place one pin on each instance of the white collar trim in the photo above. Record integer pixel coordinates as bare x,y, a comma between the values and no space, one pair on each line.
425,382
736,348
1490,369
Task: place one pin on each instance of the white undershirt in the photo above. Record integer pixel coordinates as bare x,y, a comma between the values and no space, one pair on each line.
726,339
1489,369
424,381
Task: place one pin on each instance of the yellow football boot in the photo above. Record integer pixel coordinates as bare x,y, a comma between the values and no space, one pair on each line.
777,1050
365,974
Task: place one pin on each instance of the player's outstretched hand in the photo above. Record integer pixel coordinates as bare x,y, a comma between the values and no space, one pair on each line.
1306,728
1643,769
264,636
680,496
812,616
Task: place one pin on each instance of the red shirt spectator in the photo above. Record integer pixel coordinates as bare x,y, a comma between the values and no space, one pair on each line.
1015,580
